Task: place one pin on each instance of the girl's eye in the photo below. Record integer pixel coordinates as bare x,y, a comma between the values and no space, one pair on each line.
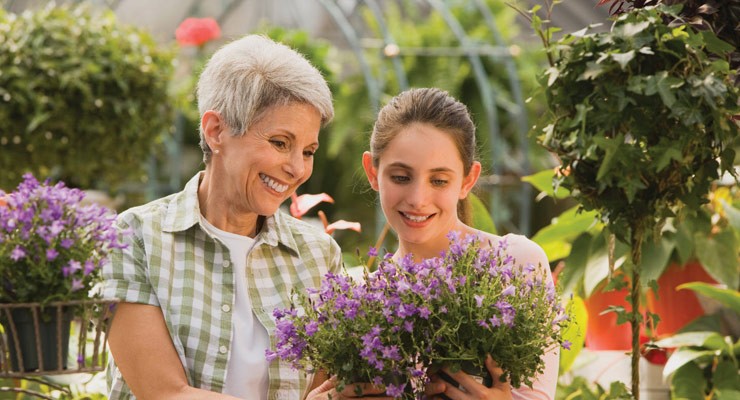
400,178
279,144
439,182
308,153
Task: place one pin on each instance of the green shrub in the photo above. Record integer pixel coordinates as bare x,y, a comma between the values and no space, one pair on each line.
82,97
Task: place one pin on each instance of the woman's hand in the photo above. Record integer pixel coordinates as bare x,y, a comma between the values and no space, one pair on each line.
327,390
469,387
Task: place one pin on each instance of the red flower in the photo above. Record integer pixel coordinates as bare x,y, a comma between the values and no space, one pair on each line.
197,31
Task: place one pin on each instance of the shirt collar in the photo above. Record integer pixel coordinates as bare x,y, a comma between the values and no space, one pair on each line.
183,212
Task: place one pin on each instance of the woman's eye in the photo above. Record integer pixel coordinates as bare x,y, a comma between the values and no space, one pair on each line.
279,144
439,182
308,153
400,178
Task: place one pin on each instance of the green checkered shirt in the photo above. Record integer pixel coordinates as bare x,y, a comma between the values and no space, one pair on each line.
171,262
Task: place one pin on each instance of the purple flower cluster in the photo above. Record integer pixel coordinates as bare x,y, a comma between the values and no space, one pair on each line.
51,245
471,301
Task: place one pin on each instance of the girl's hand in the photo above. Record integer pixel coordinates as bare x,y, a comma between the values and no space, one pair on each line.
469,387
327,390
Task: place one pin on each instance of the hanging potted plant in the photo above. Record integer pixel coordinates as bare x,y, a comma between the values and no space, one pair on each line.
52,246
641,119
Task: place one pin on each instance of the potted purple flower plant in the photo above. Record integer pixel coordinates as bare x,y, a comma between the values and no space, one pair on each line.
52,246
407,319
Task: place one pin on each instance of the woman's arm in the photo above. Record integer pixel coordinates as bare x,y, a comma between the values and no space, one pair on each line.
144,353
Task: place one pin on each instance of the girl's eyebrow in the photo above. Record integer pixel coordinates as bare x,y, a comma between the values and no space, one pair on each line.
399,164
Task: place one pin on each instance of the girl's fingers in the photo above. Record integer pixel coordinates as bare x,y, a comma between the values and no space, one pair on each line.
494,370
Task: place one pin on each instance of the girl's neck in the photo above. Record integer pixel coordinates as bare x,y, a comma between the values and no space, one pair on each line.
430,248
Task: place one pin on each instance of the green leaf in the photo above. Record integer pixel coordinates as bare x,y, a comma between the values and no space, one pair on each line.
574,332
688,383
715,44
593,70
726,377
666,85
728,297
684,243
718,255
567,225
611,146
655,257
696,339
632,29
681,357
543,181
37,120
671,153
727,394
623,58
733,215
481,217
575,264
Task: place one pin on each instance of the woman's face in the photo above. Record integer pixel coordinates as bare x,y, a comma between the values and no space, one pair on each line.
420,179
275,156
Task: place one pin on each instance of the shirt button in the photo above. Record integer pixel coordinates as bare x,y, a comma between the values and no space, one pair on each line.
226,308
227,264
223,349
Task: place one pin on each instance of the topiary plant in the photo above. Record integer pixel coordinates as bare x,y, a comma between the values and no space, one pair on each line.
641,119
82,97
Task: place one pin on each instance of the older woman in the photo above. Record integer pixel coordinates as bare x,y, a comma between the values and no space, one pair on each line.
206,266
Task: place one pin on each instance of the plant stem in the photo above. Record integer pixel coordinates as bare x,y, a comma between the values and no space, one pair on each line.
379,243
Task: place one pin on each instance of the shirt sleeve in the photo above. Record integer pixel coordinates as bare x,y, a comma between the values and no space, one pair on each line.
335,257
526,252
126,275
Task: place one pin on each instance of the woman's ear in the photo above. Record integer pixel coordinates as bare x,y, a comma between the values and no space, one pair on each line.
370,170
212,126
470,180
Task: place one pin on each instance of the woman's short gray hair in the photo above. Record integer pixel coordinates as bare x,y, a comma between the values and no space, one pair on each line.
248,76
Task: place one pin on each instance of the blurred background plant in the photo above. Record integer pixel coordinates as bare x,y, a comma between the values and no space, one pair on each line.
84,98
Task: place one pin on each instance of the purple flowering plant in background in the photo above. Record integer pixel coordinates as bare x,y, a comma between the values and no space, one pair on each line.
407,319
52,245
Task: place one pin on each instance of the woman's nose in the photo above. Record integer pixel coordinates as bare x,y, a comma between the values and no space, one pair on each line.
296,166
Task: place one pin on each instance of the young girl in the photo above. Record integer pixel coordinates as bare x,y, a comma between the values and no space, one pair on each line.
422,164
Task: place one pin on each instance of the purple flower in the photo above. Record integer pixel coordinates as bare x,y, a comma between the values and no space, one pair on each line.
17,253
395,391
77,284
51,254
566,344
372,252
479,299
509,291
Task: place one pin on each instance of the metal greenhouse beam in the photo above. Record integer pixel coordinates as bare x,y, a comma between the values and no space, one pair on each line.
489,104
520,116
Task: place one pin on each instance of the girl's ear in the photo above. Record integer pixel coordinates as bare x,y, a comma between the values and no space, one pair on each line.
212,126
370,170
470,180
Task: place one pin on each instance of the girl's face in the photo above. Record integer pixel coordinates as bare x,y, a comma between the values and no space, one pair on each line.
420,179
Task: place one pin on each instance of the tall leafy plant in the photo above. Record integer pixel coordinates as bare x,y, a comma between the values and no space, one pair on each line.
641,119
82,97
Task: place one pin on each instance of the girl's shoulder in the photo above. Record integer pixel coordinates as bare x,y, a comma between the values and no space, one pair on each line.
520,247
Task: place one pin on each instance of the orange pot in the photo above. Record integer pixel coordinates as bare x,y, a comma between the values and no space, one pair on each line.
677,308
602,332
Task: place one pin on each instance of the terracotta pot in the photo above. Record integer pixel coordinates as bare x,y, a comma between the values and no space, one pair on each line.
602,331
677,308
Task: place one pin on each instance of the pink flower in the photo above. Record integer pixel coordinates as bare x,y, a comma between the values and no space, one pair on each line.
197,31
342,224
300,205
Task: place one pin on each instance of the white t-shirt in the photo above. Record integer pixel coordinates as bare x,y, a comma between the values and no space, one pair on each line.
247,368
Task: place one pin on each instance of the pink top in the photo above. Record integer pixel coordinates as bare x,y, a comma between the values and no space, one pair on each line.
526,252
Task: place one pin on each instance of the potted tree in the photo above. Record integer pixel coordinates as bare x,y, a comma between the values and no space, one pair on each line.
83,98
641,119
